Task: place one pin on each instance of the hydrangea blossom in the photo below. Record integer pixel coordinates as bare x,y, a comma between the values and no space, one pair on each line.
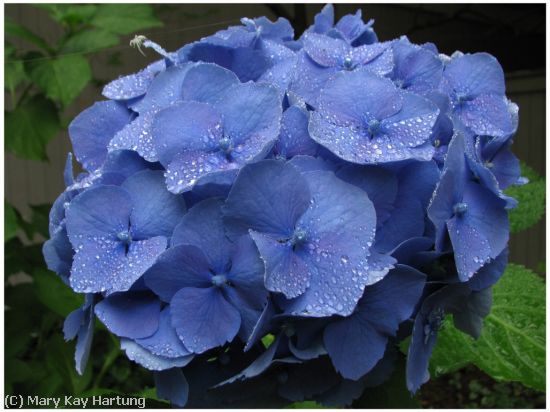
330,193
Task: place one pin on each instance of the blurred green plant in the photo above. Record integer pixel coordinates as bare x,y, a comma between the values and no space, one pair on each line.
42,80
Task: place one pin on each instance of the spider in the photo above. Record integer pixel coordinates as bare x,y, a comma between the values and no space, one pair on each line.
138,41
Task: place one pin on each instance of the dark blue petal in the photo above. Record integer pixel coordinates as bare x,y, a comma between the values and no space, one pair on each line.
383,307
268,197
203,227
58,253
68,172
470,319
294,138
203,318
178,267
92,130
164,342
130,315
155,211
380,185
172,386
490,273
143,357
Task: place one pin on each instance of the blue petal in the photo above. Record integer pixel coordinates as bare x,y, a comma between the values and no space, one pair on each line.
324,50
164,90
268,197
311,164
58,253
203,227
84,342
250,109
294,138
102,211
104,265
206,82
490,273
92,130
379,184
164,342
262,326
133,85
186,126
178,267
72,324
486,115
383,307
143,357
137,136
285,271
68,172
475,74
130,315
197,168
324,20
203,318
424,335
248,64
470,319
340,227
349,96
419,70
309,78
172,386
155,211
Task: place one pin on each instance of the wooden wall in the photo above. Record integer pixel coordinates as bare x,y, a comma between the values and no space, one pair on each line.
29,182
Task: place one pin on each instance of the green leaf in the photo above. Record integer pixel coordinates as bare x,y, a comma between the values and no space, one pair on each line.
30,127
54,294
16,30
14,75
125,18
22,258
512,343
70,14
531,199
61,78
10,222
39,221
90,40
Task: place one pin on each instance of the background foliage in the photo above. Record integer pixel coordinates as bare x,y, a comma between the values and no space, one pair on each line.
41,84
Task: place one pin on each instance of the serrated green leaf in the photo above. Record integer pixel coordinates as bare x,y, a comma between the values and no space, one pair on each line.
512,343
61,78
13,29
10,222
531,199
125,18
90,40
54,294
30,127
14,75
